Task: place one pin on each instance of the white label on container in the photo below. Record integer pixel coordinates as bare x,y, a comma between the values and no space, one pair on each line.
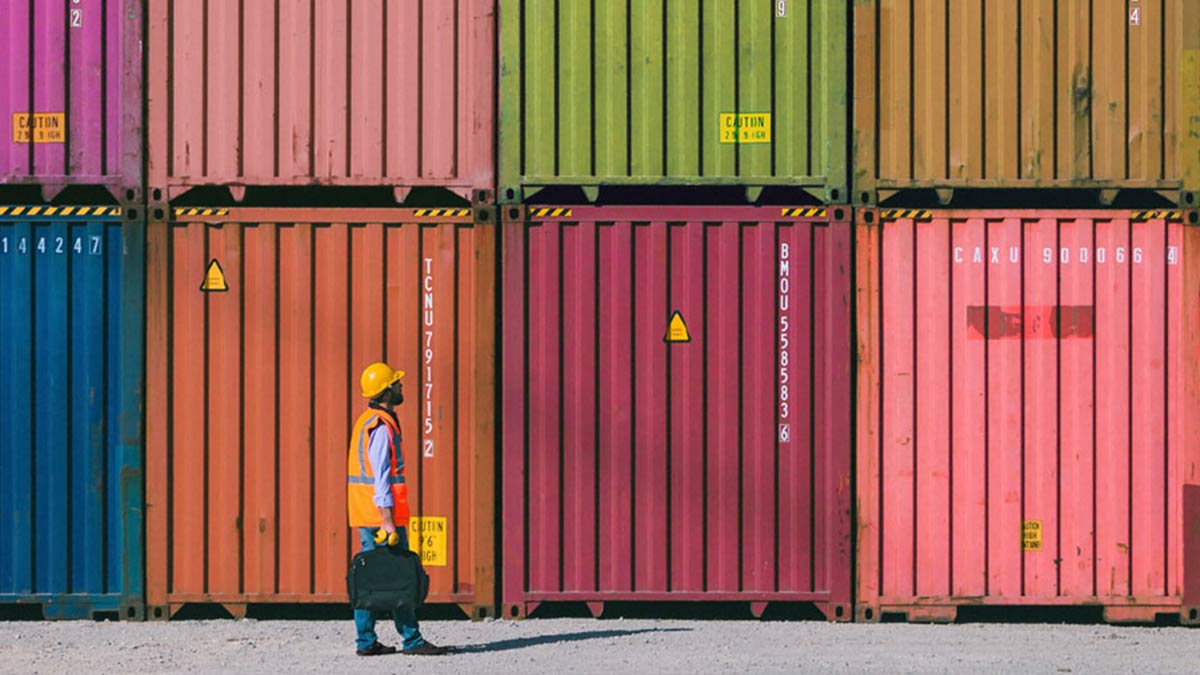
427,359
781,8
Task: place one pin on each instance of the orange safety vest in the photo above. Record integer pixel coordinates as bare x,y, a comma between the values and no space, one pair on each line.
360,480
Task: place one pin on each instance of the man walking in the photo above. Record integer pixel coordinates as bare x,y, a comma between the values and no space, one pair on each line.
377,499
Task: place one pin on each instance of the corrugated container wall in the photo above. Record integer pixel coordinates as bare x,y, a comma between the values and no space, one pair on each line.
253,392
980,93
655,456
1028,388
70,411
364,92
71,95
673,92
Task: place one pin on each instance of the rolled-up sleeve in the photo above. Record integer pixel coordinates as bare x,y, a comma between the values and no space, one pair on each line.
380,456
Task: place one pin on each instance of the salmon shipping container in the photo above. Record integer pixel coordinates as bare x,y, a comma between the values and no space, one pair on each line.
673,92
1027,397
676,406
1102,94
259,324
70,411
71,95
356,93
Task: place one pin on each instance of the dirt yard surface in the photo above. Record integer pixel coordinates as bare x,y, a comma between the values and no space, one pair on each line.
590,646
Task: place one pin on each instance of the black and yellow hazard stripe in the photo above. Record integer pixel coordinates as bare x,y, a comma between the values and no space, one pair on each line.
188,211
543,212
94,211
803,212
1156,214
441,213
906,214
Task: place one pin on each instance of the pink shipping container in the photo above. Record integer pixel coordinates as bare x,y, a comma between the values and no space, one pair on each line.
71,95
641,469
1027,396
356,93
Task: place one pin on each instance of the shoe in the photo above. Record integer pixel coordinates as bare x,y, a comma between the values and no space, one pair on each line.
377,649
428,649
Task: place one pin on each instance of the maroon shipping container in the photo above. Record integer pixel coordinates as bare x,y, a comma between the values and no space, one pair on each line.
359,93
676,406
1027,412
71,95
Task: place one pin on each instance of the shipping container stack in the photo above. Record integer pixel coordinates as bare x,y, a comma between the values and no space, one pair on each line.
1027,312
321,191
676,305
71,275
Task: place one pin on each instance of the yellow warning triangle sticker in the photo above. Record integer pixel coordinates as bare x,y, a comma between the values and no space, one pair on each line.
214,279
677,330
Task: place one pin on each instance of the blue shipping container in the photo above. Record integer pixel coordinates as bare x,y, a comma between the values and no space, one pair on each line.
71,299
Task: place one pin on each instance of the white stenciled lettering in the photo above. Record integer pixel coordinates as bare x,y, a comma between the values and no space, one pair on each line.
1101,255
1047,255
785,288
958,254
978,258
995,255
1064,256
1014,254
1120,254
1084,256
1172,255
1137,256
427,324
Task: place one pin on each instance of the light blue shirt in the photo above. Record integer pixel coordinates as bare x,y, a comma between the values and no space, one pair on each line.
380,455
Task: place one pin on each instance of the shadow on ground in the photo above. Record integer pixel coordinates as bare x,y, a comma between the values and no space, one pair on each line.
535,640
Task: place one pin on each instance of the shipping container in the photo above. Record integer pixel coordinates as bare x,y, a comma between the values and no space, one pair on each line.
1103,94
394,93
71,410
1027,391
676,405
673,92
71,95
253,390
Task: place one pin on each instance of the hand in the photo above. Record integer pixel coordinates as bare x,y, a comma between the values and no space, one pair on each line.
383,537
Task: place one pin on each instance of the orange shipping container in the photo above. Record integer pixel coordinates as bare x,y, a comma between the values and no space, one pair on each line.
1027,428
252,392
1053,93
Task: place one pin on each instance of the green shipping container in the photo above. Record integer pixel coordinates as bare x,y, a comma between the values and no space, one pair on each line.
673,92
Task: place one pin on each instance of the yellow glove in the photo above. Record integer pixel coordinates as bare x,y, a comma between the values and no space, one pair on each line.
382,536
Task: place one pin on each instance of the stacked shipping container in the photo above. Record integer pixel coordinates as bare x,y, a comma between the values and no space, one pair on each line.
713,463
252,396
71,308
253,390
649,460
1024,374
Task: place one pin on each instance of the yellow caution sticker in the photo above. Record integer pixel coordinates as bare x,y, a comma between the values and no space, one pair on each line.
214,279
746,127
39,128
1031,535
427,538
677,330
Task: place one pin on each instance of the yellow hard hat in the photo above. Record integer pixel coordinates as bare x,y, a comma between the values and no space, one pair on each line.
377,378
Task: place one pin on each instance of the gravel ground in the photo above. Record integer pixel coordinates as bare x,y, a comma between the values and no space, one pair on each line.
590,646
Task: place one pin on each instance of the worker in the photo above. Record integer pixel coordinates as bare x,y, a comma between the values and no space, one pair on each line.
377,499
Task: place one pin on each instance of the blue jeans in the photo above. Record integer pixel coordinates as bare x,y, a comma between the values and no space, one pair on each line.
406,620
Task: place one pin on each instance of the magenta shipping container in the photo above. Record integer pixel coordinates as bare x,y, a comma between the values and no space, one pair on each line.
395,93
676,406
71,94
